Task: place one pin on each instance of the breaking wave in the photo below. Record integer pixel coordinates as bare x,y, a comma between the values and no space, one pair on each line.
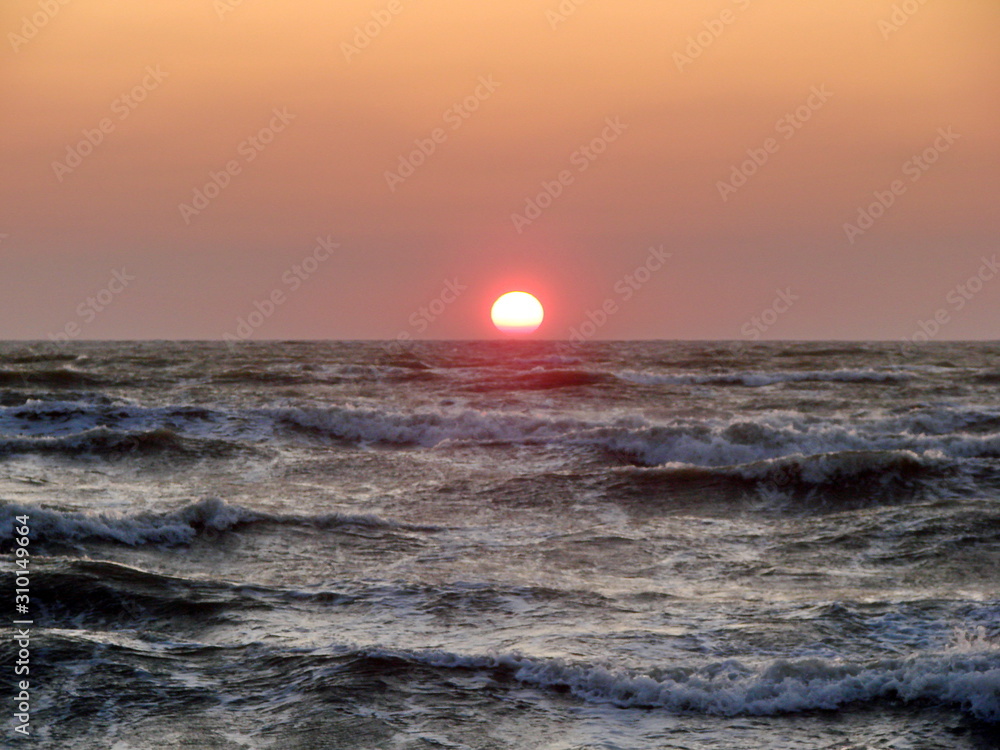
176,527
859,476
966,678
705,442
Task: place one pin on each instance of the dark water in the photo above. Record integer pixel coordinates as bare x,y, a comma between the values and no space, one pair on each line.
492,545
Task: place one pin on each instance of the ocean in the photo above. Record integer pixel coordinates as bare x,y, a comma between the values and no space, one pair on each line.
502,545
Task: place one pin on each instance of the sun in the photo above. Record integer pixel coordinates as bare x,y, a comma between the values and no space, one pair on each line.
517,312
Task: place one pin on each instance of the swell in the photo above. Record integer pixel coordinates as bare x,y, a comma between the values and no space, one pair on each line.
539,380
105,442
10,398
85,593
49,412
839,478
178,527
51,377
35,357
750,379
310,375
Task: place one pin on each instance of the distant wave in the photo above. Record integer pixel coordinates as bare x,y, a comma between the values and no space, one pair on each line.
34,357
967,678
538,379
20,398
180,526
758,379
53,377
259,376
825,351
332,375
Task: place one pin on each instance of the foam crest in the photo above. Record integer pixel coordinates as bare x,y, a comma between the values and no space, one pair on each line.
699,442
969,681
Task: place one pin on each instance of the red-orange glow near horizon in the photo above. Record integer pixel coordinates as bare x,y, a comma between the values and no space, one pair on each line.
517,312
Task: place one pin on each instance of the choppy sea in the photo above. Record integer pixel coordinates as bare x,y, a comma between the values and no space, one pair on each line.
504,545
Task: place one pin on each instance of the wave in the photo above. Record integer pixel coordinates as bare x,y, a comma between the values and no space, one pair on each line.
69,593
989,378
844,477
961,434
540,379
260,376
9,398
824,351
35,357
758,379
427,429
72,592
177,527
97,410
312,375
53,377
105,442
634,440
968,677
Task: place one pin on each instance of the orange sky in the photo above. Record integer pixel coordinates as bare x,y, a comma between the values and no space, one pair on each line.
688,87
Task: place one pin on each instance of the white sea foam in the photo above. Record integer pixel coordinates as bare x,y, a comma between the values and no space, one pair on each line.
704,442
952,432
969,680
797,472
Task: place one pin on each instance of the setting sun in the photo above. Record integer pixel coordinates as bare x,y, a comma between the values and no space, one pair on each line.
517,312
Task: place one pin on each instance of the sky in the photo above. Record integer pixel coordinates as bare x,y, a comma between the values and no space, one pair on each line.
649,169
